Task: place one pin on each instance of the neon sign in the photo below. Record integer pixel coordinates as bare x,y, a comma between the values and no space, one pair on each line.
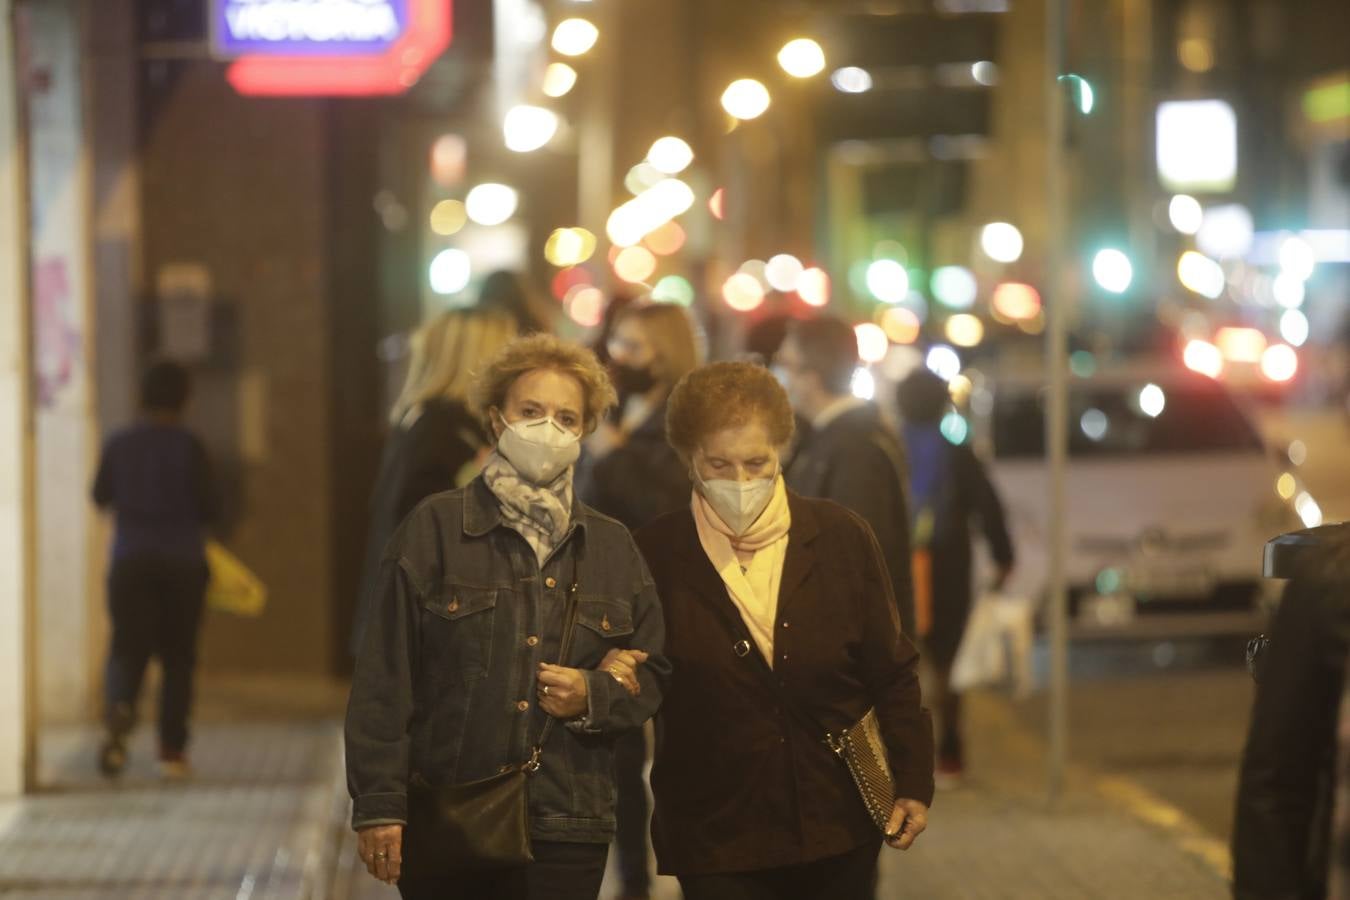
329,47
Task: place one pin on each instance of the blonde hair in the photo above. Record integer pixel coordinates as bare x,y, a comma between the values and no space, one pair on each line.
671,333
726,395
447,354
544,351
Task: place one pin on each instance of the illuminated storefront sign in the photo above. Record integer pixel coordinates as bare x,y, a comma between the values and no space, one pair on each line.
329,47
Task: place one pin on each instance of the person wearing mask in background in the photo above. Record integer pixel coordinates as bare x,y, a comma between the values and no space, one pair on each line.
436,443
782,628
850,455
155,478
459,671
948,487
633,475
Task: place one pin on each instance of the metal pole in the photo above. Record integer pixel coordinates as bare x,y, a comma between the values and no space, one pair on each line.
1056,420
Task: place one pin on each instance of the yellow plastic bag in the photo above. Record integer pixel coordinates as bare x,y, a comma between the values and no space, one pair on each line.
233,587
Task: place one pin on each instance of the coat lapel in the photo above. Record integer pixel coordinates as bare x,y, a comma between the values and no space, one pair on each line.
801,555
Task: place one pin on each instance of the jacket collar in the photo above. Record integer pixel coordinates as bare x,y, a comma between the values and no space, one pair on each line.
483,512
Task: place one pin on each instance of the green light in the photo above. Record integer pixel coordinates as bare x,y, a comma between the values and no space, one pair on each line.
1082,363
1327,103
1109,581
673,289
955,428
1080,89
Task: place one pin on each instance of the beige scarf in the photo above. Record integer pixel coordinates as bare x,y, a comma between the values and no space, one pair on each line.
540,514
751,564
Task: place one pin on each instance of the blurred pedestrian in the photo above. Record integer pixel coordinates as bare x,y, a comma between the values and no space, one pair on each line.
850,455
482,590
633,475
435,442
1282,833
782,628
155,478
506,292
948,488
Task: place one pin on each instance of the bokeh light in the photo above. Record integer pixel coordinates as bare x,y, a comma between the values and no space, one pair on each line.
783,272
559,79
1094,424
901,325
955,428
569,280
873,345
674,289
491,204
648,211
943,361
965,330
984,72
1203,357
1244,345
448,217
743,292
575,37
1152,400
1288,290
851,80
887,280
569,246
717,204
641,177
1286,485
528,128
1279,363
449,156
1016,302
954,286
1308,510
1226,231
450,271
586,306
1112,270
635,264
802,58
1297,258
814,287
1185,213
1001,242
666,240
670,155
863,385
1294,327
1201,274
745,99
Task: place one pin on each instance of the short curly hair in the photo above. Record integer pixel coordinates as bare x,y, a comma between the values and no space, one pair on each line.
544,351
726,395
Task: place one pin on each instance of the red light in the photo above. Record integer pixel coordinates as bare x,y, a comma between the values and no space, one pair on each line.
1203,357
1015,302
1279,362
568,279
1241,344
393,72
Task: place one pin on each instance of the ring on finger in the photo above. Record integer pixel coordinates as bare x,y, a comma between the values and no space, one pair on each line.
545,690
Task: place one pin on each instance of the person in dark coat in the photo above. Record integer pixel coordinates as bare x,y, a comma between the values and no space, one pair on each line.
1282,833
781,628
155,478
435,443
850,455
632,474
948,489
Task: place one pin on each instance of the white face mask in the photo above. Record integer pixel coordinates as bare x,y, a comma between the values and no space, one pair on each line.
739,503
540,449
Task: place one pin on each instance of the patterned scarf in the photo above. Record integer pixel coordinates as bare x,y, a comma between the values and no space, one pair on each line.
540,514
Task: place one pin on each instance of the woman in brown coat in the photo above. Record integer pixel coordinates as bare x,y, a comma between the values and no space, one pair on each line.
781,627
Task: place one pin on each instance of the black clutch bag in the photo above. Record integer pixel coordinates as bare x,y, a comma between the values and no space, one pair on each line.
480,824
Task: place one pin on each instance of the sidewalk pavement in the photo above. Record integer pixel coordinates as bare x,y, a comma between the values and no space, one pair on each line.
265,817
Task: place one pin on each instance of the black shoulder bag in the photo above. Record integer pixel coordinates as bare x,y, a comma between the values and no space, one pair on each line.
481,824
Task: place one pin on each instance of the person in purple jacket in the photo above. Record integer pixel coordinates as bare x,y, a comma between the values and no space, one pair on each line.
155,478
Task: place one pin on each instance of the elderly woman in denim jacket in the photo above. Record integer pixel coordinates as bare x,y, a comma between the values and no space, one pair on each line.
457,676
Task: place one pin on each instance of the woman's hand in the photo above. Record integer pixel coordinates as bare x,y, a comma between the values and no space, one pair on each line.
381,849
562,691
909,818
622,667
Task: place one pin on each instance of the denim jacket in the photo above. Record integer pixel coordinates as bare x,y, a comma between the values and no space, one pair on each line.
444,690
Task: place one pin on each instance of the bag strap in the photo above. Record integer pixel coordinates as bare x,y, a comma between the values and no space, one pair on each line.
569,629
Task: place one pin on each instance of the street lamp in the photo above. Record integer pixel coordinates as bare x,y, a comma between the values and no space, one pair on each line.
745,99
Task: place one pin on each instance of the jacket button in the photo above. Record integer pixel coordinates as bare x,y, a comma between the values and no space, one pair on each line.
523,705
453,605
787,624
550,582
532,640
604,623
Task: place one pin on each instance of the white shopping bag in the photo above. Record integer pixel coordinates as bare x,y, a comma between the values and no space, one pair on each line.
996,646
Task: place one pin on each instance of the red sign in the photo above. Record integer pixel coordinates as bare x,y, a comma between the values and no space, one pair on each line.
392,72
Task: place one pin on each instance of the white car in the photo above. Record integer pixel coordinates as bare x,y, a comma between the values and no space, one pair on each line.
1170,498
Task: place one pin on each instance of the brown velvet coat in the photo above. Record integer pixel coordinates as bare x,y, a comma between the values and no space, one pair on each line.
741,782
